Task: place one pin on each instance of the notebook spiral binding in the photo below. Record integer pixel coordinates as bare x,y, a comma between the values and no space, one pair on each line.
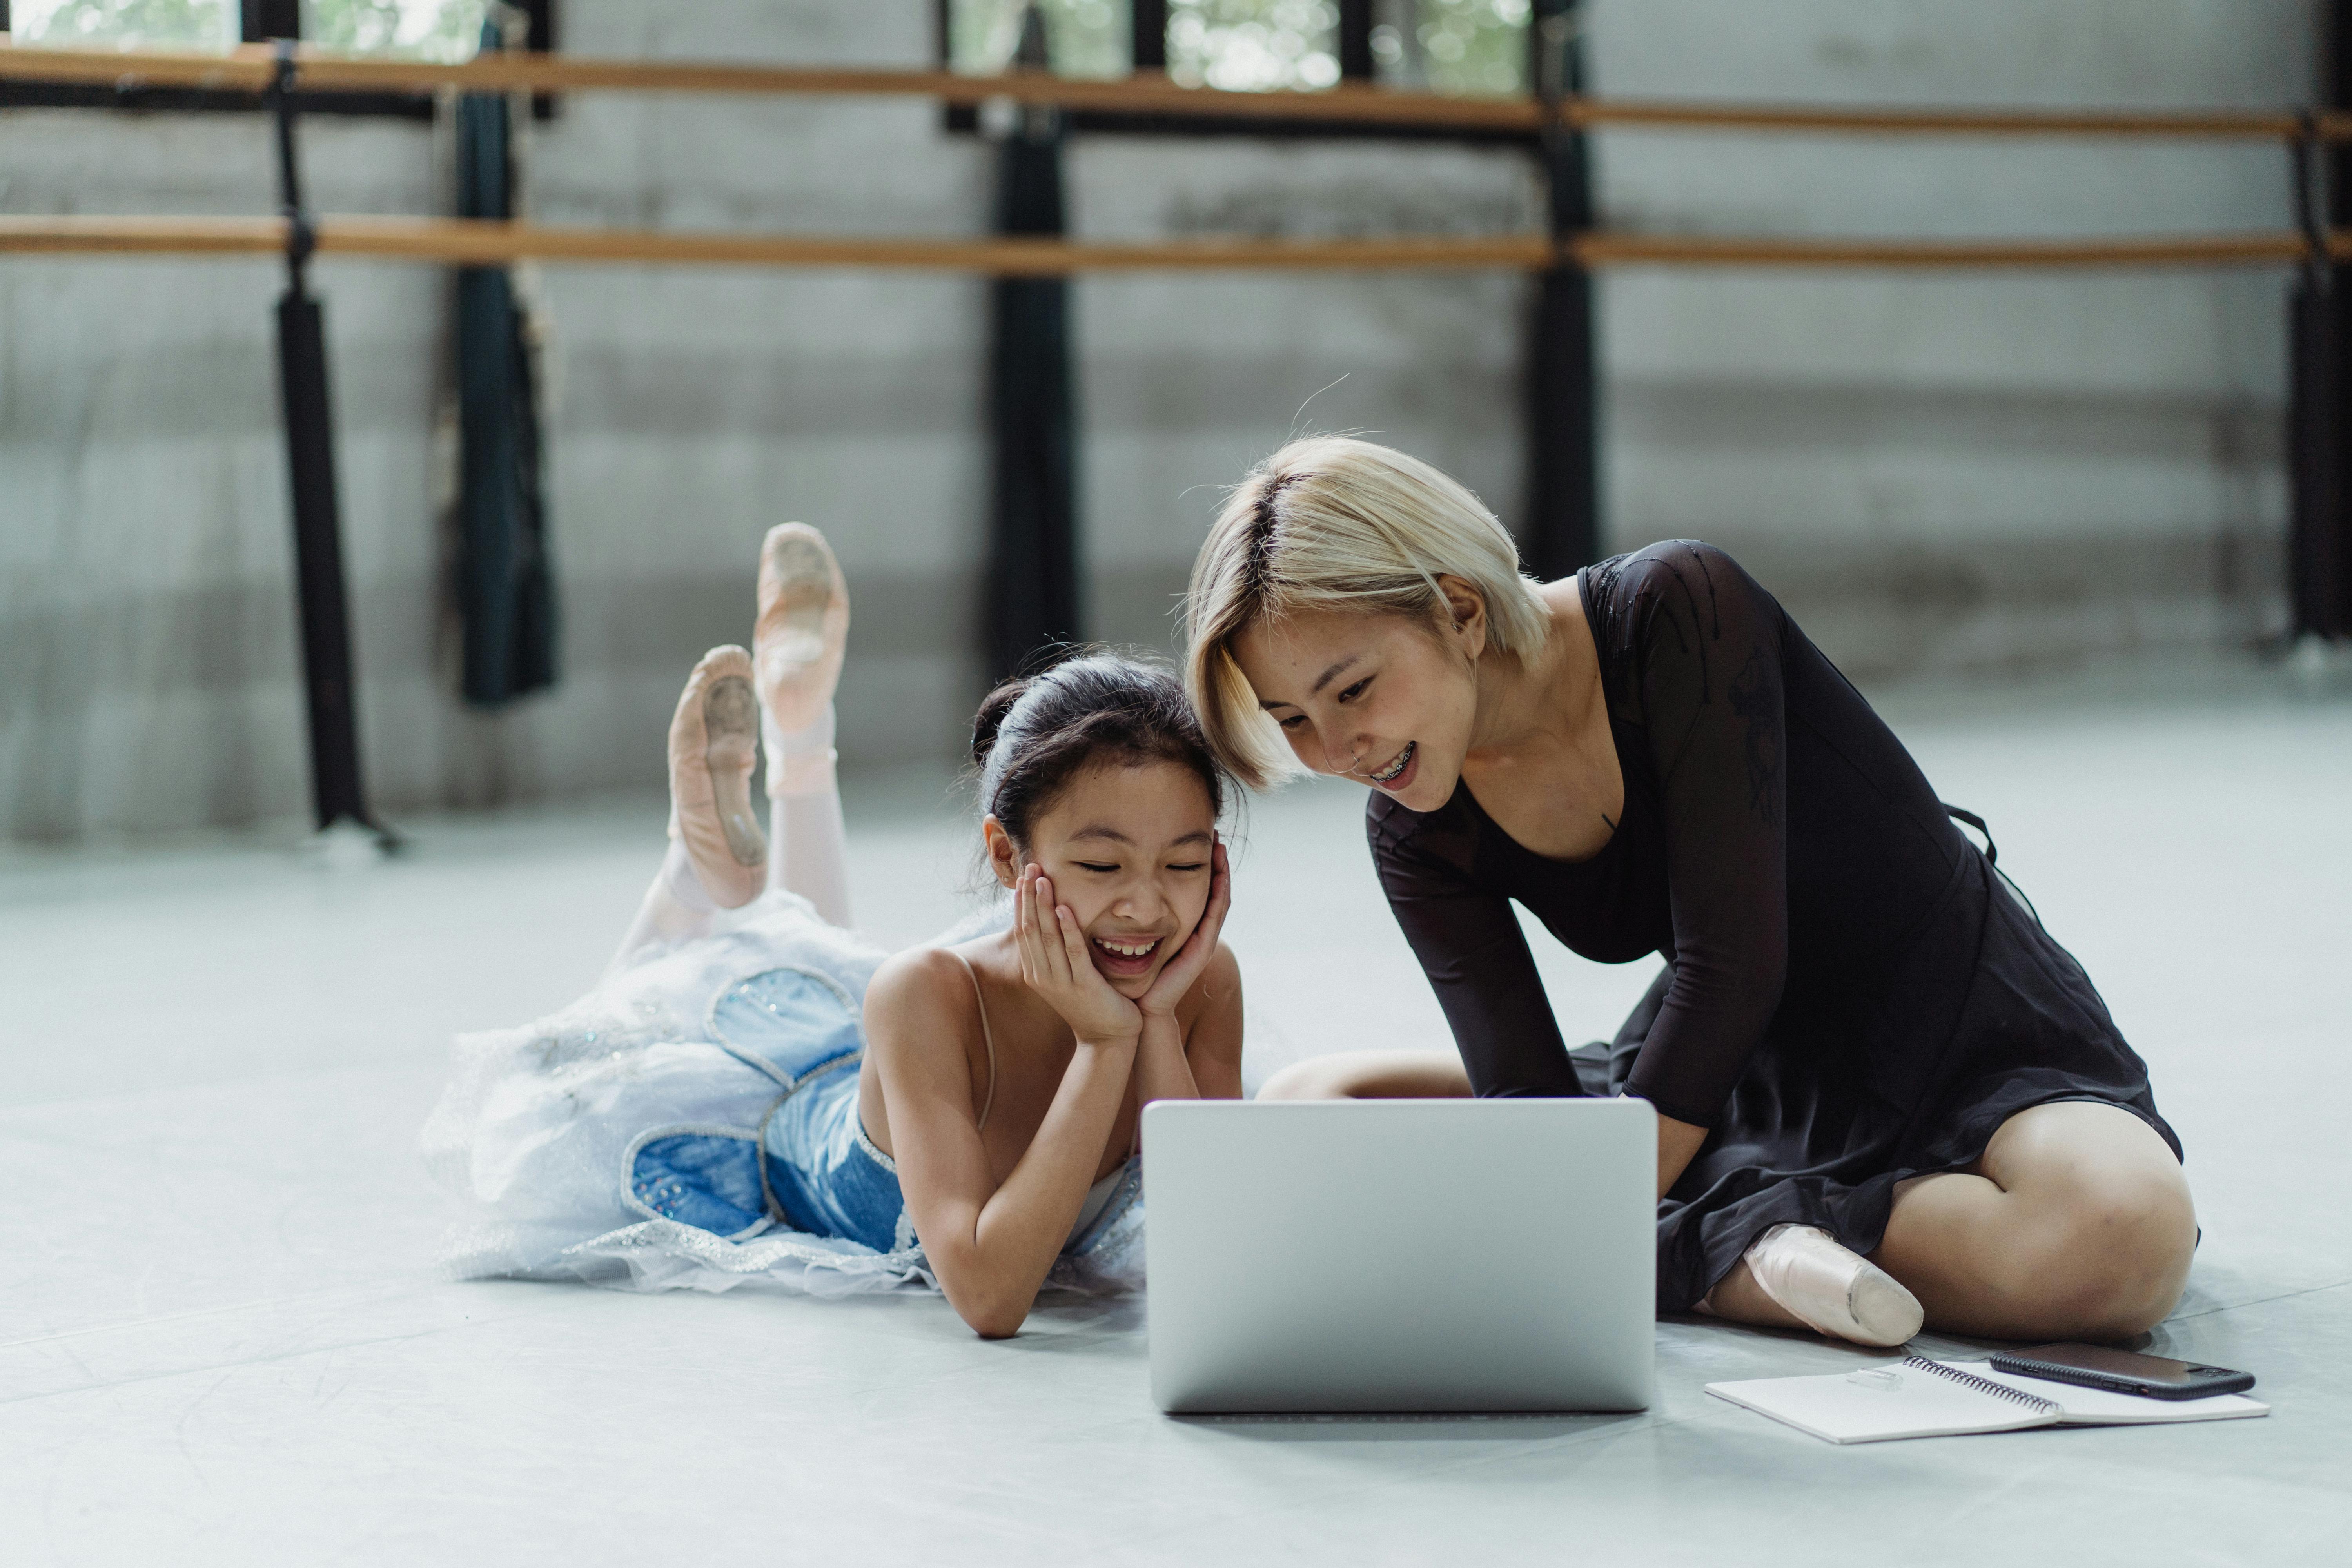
1984,1386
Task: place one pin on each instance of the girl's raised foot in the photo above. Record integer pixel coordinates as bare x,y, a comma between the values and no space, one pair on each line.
797,645
713,746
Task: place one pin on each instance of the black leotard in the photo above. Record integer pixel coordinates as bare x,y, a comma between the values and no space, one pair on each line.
1846,999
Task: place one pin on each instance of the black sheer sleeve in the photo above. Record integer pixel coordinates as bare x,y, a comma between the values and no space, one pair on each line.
1471,947
1704,677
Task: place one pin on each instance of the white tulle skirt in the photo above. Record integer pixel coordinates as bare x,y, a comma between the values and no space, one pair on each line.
544,1130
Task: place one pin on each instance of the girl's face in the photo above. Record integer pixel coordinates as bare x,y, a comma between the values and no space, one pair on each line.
1378,697
1127,846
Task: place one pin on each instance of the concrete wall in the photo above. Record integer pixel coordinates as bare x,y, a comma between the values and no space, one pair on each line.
1958,471
1935,472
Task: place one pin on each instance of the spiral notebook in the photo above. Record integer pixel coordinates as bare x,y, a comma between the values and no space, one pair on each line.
1920,1398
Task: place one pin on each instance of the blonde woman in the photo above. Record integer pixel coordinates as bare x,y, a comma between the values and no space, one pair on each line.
1884,1092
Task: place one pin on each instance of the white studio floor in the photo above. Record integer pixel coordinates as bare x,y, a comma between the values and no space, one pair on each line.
222,1338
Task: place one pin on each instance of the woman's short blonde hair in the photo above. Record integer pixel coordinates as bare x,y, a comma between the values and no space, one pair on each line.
1334,523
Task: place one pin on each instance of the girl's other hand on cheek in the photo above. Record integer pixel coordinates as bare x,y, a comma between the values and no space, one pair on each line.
1177,977
1057,965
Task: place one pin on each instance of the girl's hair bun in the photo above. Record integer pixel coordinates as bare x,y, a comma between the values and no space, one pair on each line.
991,717
1034,734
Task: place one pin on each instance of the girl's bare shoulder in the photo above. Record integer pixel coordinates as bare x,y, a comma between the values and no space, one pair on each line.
1220,985
919,997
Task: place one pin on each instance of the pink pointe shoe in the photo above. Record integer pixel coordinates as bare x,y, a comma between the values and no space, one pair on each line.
1831,1289
714,741
797,645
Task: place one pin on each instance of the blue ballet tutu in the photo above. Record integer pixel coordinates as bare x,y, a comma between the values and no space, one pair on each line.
693,1123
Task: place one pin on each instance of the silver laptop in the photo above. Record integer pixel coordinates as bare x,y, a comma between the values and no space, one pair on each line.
1397,1254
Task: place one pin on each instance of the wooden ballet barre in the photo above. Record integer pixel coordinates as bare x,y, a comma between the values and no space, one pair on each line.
487,242
1602,249
2230,124
484,242
248,69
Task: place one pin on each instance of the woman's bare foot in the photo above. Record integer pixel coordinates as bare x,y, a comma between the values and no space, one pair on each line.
797,646
1809,1275
713,745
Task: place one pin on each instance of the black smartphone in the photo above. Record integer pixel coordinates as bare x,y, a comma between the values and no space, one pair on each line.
2123,1372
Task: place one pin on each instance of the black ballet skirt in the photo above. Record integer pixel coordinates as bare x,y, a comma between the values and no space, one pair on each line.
1851,995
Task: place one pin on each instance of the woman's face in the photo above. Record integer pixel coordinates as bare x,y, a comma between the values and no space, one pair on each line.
1378,697
1128,848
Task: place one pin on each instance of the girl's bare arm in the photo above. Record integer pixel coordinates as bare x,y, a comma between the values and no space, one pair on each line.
991,1244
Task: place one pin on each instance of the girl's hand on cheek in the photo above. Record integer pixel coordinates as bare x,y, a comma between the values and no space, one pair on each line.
1056,963
1183,970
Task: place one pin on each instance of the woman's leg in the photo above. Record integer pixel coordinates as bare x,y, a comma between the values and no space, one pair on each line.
1371,1075
798,643
2076,1225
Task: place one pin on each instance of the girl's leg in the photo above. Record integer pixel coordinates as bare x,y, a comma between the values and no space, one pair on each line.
798,643
717,859
2076,1225
675,909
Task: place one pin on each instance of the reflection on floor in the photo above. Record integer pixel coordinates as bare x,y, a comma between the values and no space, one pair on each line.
222,1338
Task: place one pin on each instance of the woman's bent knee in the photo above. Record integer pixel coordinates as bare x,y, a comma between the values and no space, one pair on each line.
2109,1261
1314,1078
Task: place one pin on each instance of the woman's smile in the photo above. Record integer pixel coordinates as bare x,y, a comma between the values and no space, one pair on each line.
1399,771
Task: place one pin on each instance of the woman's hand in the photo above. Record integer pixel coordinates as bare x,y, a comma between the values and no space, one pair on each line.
1176,977
1055,964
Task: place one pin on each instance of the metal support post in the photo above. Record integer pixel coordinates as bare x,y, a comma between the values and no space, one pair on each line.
2319,454
1034,577
336,789
1562,529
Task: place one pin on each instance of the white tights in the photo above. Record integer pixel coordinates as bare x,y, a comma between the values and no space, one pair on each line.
808,852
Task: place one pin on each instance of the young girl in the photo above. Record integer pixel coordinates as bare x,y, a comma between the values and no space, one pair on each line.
717,1109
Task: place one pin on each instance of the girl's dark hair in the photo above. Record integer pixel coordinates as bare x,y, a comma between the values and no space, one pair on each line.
1035,733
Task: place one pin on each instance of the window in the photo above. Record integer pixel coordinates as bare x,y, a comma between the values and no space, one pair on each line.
1254,46
1463,48
445,30
1085,38
402,29
127,24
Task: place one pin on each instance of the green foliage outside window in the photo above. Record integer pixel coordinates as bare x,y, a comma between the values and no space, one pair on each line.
402,29
1462,48
1083,38
125,24
1254,46
445,30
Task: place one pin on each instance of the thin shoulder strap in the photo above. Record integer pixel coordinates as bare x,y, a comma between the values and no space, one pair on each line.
989,1101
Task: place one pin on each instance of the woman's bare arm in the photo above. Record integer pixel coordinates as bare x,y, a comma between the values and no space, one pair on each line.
1678,1144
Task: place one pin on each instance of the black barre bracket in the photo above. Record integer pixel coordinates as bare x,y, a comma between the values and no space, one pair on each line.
337,791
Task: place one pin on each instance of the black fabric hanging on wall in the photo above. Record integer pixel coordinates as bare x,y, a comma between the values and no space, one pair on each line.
505,591
2319,425
1562,530
1032,579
